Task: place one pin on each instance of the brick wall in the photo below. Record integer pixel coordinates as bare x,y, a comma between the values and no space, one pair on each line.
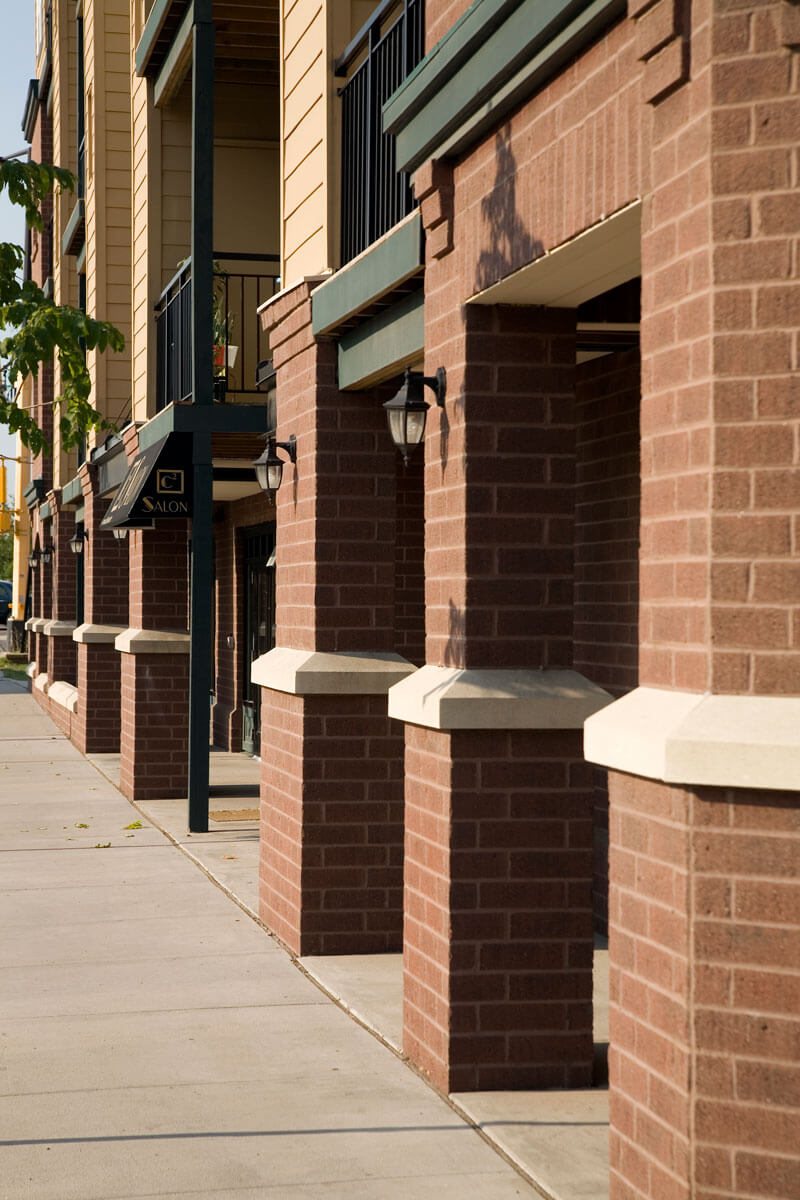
331,875
498,950
154,688
409,565
154,739
499,484
704,992
607,521
335,510
575,152
607,552
159,580
719,415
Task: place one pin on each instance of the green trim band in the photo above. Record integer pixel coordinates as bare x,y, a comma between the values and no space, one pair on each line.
383,346
459,92
392,260
71,492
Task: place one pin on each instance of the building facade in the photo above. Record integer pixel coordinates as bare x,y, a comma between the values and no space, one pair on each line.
538,676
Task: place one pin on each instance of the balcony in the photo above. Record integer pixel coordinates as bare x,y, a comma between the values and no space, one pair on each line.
239,342
380,57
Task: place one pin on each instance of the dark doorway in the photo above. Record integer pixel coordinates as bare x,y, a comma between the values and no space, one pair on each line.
259,620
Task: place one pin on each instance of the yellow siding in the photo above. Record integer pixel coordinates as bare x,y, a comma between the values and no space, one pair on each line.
108,195
313,35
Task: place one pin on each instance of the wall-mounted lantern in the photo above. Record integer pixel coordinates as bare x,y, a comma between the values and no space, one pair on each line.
269,468
76,542
407,410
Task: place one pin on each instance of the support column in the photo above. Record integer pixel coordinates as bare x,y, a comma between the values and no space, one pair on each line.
498,906
332,789
96,728
154,666
62,659
704,757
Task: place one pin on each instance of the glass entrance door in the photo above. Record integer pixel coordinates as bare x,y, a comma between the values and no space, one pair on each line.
259,558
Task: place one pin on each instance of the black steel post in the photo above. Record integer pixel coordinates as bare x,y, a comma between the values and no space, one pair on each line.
202,287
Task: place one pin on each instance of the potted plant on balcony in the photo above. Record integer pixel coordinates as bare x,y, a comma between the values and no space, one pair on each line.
224,351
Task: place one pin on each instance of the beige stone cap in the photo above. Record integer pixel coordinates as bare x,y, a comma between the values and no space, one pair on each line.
58,628
64,694
35,624
151,641
451,698
317,673
97,634
687,738
290,288
40,682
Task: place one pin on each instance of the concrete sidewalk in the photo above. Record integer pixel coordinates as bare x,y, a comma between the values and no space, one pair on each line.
157,1042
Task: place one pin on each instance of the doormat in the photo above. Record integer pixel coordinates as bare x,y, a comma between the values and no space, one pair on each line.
234,814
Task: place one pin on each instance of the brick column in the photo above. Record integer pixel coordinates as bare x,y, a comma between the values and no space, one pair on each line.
154,666
62,659
705,757
96,729
332,789
498,933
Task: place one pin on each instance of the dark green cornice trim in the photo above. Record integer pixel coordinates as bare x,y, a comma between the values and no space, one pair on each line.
157,35
383,266
483,68
384,345
34,492
72,492
75,229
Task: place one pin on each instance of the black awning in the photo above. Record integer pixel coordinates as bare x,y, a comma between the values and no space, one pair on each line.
158,484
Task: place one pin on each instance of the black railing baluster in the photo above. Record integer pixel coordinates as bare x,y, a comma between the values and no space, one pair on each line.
374,196
241,292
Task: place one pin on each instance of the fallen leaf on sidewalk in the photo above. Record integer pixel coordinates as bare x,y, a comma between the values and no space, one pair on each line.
229,856
102,845
133,825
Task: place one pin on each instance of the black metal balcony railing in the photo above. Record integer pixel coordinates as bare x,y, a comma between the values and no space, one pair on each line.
242,343
374,195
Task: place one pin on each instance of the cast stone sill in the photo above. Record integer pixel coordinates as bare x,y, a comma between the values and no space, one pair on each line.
694,739
58,628
454,698
64,694
91,635
151,641
35,624
319,673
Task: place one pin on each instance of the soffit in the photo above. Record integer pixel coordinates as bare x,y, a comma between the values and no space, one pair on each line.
595,261
247,40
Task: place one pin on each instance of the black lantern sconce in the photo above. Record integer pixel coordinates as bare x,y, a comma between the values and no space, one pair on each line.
76,543
269,468
406,412
46,555
33,559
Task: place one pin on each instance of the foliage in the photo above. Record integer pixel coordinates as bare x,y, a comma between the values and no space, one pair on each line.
43,329
11,670
6,555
